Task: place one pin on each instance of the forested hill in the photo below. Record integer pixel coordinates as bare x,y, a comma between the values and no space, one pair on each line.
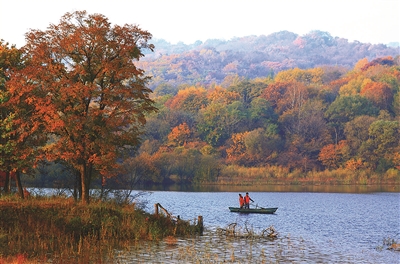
219,61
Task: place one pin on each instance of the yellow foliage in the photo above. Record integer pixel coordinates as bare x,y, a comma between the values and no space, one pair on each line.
308,76
354,164
360,64
354,86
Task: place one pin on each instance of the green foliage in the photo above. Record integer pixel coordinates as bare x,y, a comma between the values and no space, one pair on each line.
384,136
217,121
346,108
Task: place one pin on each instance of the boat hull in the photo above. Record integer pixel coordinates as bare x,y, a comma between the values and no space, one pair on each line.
253,210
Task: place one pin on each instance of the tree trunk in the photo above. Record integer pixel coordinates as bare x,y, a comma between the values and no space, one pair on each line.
19,185
86,175
77,194
7,183
84,194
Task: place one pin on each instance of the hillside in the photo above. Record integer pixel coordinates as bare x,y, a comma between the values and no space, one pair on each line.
218,61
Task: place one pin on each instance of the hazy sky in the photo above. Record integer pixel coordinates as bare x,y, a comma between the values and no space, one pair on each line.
369,21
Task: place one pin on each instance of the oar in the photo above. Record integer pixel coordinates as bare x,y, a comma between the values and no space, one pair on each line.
259,206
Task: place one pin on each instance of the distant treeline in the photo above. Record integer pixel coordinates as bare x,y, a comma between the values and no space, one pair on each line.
221,61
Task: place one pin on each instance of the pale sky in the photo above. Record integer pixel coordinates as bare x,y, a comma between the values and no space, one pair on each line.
368,21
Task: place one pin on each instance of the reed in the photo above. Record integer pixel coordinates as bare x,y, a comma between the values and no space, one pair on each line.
247,176
60,230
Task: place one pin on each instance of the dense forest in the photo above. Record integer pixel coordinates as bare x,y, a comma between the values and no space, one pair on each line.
299,121
319,125
276,109
220,61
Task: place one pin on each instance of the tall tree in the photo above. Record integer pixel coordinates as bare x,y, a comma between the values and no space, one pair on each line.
20,133
82,79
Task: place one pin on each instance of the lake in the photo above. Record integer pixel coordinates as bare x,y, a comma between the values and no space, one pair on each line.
313,227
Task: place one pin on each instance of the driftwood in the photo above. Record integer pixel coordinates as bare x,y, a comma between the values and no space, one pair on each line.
157,205
231,231
199,227
270,232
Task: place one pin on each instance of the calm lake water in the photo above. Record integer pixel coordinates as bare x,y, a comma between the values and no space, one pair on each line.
313,228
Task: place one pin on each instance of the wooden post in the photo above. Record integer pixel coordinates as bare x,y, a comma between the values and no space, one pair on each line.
156,209
200,226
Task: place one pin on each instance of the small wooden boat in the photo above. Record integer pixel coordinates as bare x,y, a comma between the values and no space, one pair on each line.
259,210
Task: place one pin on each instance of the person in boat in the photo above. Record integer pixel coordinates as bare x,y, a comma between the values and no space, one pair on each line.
247,200
241,201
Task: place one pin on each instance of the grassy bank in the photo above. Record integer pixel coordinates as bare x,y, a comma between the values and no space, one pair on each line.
238,175
63,231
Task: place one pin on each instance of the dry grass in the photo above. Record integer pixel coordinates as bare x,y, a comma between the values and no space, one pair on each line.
43,229
275,175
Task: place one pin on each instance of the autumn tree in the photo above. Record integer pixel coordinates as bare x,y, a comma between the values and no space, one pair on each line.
333,155
82,79
285,96
309,76
354,86
221,95
237,149
379,93
180,135
20,132
191,99
137,170
307,130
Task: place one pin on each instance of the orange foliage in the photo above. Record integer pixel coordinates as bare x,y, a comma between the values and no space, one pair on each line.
237,148
379,93
86,89
285,95
221,95
331,154
191,99
354,164
180,134
360,64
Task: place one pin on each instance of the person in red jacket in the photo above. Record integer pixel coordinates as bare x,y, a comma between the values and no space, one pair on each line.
247,200
241,201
